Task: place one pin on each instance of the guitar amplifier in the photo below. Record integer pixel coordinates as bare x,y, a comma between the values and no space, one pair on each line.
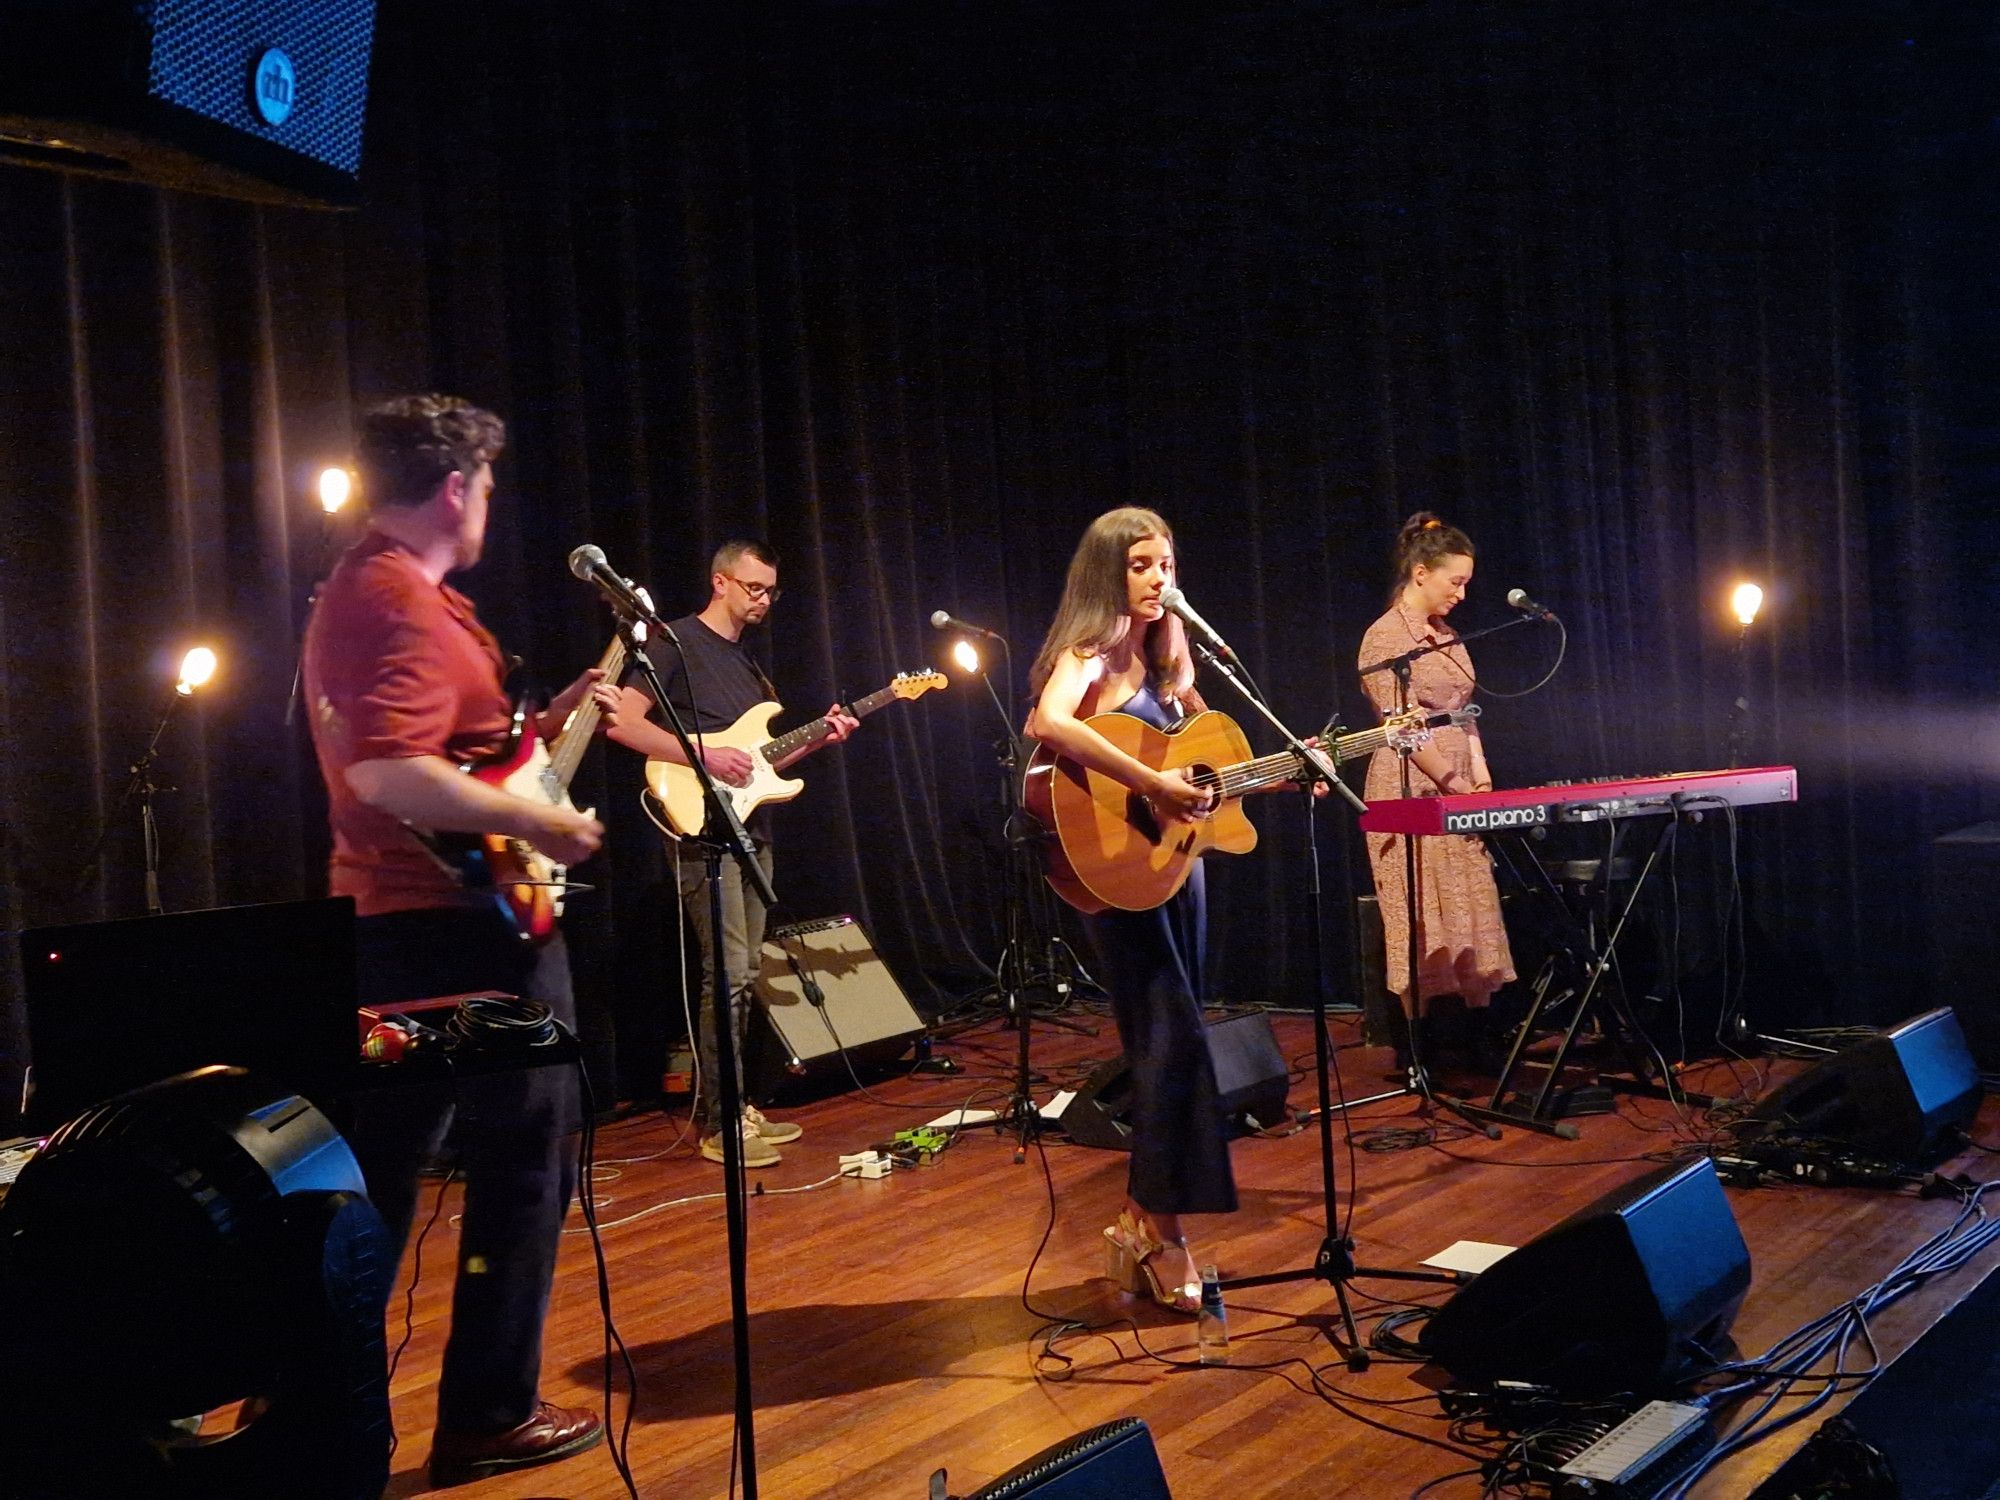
826,1000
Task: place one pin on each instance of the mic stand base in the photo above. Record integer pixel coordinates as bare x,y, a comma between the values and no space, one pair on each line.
1482,1118
1334,1265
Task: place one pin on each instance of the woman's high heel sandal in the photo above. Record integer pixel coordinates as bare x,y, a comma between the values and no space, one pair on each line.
1130,1252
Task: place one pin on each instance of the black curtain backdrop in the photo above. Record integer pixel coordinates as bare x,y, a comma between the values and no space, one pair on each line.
1646,297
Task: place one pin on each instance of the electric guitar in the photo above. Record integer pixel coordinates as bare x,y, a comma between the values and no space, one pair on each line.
678,792
527,884
1108,848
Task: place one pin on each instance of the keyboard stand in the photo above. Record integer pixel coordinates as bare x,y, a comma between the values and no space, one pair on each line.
1583,950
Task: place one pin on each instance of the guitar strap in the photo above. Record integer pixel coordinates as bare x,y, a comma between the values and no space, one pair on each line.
770,688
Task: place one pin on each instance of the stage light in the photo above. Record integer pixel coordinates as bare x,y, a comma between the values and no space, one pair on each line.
1744,602
965,654
335,485
196,669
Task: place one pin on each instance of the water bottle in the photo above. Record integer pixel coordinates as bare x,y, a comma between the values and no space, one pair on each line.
1211,1335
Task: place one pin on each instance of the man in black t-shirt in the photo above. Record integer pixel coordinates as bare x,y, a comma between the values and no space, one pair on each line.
713,681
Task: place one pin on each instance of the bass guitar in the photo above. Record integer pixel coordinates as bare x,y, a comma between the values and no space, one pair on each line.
527,884
678,792
1107,848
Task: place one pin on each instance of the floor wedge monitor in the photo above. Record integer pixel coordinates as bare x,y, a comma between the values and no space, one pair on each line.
1907,1094
1250,1077
1629,1294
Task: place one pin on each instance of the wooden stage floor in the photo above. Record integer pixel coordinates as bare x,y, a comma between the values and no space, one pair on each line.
891,1336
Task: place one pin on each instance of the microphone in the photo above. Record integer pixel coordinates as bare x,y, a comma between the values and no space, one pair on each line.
1175,600
588,563
1519,599
940,620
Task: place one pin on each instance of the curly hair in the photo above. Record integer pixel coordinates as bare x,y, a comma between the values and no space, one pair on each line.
409,445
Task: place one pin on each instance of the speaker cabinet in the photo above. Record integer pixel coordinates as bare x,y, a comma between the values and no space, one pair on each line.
1906,1094
259,99
822,993
1114,1462
1964,893
1623,1295
1250,1076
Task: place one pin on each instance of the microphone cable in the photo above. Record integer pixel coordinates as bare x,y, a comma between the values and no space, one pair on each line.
504,1024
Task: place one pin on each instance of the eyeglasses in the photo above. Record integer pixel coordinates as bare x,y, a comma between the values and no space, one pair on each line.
767,591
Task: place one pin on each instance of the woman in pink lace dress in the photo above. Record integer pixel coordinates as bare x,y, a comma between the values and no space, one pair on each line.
1462,945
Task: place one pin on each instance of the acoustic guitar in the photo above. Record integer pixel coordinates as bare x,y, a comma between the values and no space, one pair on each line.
1106,847
679,794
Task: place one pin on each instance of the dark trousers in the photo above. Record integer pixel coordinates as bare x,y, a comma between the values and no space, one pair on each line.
1153,968
516,1145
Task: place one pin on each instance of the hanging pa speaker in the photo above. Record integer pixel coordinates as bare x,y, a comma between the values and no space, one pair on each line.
1626,1295
1116,1461
823,995
1906,1095
1251,1080
260,99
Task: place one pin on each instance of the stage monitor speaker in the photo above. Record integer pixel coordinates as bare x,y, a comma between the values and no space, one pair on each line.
1116,1461
260,99
1250,1076
822,992
1907,1094
1627,1295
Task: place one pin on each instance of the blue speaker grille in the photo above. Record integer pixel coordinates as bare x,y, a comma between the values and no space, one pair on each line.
205,51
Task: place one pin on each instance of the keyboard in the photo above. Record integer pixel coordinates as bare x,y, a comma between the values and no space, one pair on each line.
1581,801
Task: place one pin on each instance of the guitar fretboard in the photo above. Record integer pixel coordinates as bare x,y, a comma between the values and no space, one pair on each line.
1267,770
807,735
567,752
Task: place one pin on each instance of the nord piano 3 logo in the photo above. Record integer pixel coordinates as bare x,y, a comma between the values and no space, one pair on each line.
1486,819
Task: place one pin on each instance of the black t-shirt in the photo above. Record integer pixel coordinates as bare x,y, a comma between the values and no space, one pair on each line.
718,683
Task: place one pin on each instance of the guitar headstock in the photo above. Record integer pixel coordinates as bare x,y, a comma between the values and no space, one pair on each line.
1407,731
916,684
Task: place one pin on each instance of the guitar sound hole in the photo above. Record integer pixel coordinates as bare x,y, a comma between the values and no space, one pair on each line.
1205,776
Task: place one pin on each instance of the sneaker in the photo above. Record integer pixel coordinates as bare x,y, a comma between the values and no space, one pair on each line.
777,1132
757,1152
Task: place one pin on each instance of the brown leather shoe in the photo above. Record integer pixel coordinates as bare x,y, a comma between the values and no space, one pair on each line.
552,1433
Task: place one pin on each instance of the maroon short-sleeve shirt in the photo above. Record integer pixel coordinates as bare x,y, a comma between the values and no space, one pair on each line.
395,667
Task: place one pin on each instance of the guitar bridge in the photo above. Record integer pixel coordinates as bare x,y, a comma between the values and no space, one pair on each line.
1139,813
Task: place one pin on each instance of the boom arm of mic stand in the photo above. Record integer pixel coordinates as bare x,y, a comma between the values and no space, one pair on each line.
1314,757
1416,653
722,826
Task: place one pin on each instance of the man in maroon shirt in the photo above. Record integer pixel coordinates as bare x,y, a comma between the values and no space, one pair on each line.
405,687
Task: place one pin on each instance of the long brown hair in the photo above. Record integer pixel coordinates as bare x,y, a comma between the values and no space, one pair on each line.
1425,541
1092,618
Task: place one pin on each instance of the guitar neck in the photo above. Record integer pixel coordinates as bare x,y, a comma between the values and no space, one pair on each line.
1268,770
808,735
567,752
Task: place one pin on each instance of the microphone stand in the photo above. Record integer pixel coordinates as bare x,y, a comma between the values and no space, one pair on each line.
139,783
1486,1121
1012,973
722,834
1334,1264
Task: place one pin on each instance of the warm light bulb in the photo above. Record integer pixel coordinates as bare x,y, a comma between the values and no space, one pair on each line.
966,655
196,668
335,485
1746,601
